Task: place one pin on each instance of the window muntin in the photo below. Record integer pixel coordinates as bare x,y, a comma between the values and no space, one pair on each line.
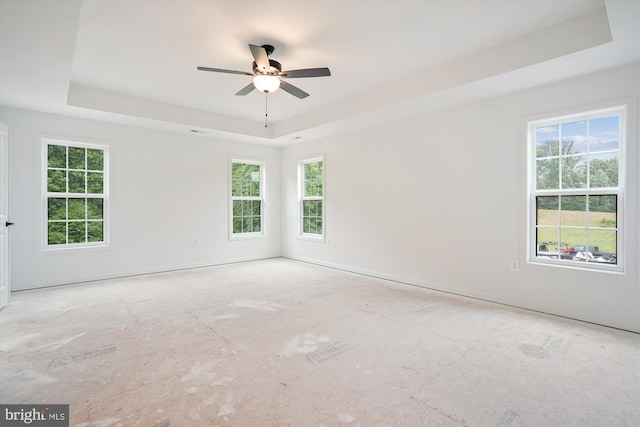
75,194
576,189
312,198
247,198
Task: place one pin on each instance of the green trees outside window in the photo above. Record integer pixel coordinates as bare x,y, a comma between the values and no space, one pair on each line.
75,194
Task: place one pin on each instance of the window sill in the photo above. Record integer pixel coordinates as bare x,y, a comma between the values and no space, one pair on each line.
576,265
246,236
78,248
312,238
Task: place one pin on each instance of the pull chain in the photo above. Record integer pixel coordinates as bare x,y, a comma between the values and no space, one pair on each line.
266,94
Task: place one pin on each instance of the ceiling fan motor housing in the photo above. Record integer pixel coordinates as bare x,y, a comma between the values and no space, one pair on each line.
274,68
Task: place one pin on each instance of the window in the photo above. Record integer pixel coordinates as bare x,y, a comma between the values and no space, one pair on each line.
247,198
576,189
75,194
312,198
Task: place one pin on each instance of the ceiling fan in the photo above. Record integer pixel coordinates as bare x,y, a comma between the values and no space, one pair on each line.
267,73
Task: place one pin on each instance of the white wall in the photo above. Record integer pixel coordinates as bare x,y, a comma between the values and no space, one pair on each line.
439,200
166,191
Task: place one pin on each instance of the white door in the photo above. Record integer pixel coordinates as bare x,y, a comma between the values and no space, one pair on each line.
4,219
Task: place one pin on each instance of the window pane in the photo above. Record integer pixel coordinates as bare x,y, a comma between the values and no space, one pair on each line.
547,141
77,232
603,211
236,170
237,208
56,156
256,224
95,209
237,225
95,183
95,159
319,226
57,208
255,173
603,244
77,209
547,210
574,172
308,170
603,170
236,187
547,242
604,134
545,235
574,211
574,137
313,179
247,223
313,188
77,182
255,188
247,207
576,238
246,172
246,189
95,231
313,170
76,158
547,174
256,207
57,233
56,181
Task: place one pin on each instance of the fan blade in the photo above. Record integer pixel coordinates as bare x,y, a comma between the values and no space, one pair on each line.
219,70
245,90
297,92
307,72
260,55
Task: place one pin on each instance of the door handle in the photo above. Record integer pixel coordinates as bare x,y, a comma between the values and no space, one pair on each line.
8,224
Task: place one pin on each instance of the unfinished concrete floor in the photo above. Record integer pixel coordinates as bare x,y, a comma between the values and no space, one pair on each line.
283,343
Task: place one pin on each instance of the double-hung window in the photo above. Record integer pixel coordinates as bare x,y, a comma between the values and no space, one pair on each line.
75,194
311,181
576,187
247,198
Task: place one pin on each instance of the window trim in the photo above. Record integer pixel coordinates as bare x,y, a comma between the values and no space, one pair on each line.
262,198
301,198
45,141
585,114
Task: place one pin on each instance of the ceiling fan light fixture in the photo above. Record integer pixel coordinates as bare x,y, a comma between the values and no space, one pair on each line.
266,83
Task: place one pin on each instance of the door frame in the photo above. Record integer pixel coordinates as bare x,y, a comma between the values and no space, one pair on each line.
5,276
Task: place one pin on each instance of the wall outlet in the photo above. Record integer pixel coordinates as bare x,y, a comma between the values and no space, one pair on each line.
197,243
515,265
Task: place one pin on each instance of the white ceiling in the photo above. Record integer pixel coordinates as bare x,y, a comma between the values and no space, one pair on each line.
134,62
